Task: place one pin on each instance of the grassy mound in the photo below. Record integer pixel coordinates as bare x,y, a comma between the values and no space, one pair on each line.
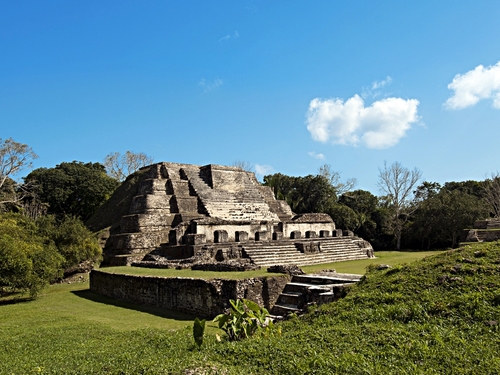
439,315
435,316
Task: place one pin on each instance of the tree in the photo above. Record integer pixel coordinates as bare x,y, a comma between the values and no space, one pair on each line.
14,157
397,183
344,216
303,194
333,177
440,219
120,166
27,261
74,189
492,194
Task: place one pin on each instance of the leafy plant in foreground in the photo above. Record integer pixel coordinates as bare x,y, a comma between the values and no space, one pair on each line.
244,318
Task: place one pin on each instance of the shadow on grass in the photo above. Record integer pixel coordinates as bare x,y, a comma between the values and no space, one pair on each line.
153,310
15,300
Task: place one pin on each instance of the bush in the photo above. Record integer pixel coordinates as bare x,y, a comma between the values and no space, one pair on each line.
243,319
34,253
27,263
72,239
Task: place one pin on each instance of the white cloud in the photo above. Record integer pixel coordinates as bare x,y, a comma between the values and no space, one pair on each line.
316,156
235,35
380,125
262,170
210,85
475,85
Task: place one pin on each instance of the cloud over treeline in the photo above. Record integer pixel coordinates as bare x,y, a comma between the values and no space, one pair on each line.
380,125
475,85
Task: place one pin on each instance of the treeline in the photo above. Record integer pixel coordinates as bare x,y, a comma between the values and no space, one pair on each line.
43,237
421,215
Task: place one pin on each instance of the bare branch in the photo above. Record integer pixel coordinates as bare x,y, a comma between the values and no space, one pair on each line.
120,166
243,165
397,183
14,157
341,187
492,193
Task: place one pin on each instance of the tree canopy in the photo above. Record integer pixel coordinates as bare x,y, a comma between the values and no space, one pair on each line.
75,189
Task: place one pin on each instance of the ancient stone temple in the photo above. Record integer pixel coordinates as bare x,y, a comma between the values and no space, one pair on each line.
180,215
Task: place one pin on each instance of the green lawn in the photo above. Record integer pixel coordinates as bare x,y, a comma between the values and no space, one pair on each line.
357,266
69,329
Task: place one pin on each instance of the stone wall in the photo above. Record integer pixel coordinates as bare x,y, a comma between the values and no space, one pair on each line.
203,298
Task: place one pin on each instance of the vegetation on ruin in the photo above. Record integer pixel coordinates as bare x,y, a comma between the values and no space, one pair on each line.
434,316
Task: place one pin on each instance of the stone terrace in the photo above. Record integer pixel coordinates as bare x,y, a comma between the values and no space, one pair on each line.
182,210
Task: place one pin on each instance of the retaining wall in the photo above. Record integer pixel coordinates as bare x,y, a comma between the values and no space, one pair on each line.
203,298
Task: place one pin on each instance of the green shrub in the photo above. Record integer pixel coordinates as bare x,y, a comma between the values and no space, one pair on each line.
72,239
244,318
26,262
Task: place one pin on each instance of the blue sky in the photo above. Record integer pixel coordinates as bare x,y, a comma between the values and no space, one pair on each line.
284,85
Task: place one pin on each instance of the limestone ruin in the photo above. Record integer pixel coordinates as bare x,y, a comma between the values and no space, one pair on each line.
483,231
181,215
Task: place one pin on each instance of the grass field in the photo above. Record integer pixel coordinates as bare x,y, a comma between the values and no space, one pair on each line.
71,330
357,266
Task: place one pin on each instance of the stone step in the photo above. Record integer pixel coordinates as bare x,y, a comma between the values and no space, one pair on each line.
328,280
312,288
291,298
284,309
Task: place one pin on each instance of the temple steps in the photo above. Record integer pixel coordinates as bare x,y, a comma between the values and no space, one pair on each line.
331,250
304,290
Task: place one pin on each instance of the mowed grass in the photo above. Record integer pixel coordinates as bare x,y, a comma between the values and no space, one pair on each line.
358,266
70,330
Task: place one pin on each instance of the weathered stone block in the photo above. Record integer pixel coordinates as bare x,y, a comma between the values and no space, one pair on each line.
295,235
187,204
129,243
324,233
204,298
195,239
156,220
348,233
140,203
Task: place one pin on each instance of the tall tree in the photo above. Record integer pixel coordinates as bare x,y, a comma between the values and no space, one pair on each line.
335,180
303,194
397,183
14,157
440,219
119,166
75,188
492,194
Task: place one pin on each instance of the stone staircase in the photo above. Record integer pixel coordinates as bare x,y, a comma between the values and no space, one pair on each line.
246,203
332,249
163,200
305,290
